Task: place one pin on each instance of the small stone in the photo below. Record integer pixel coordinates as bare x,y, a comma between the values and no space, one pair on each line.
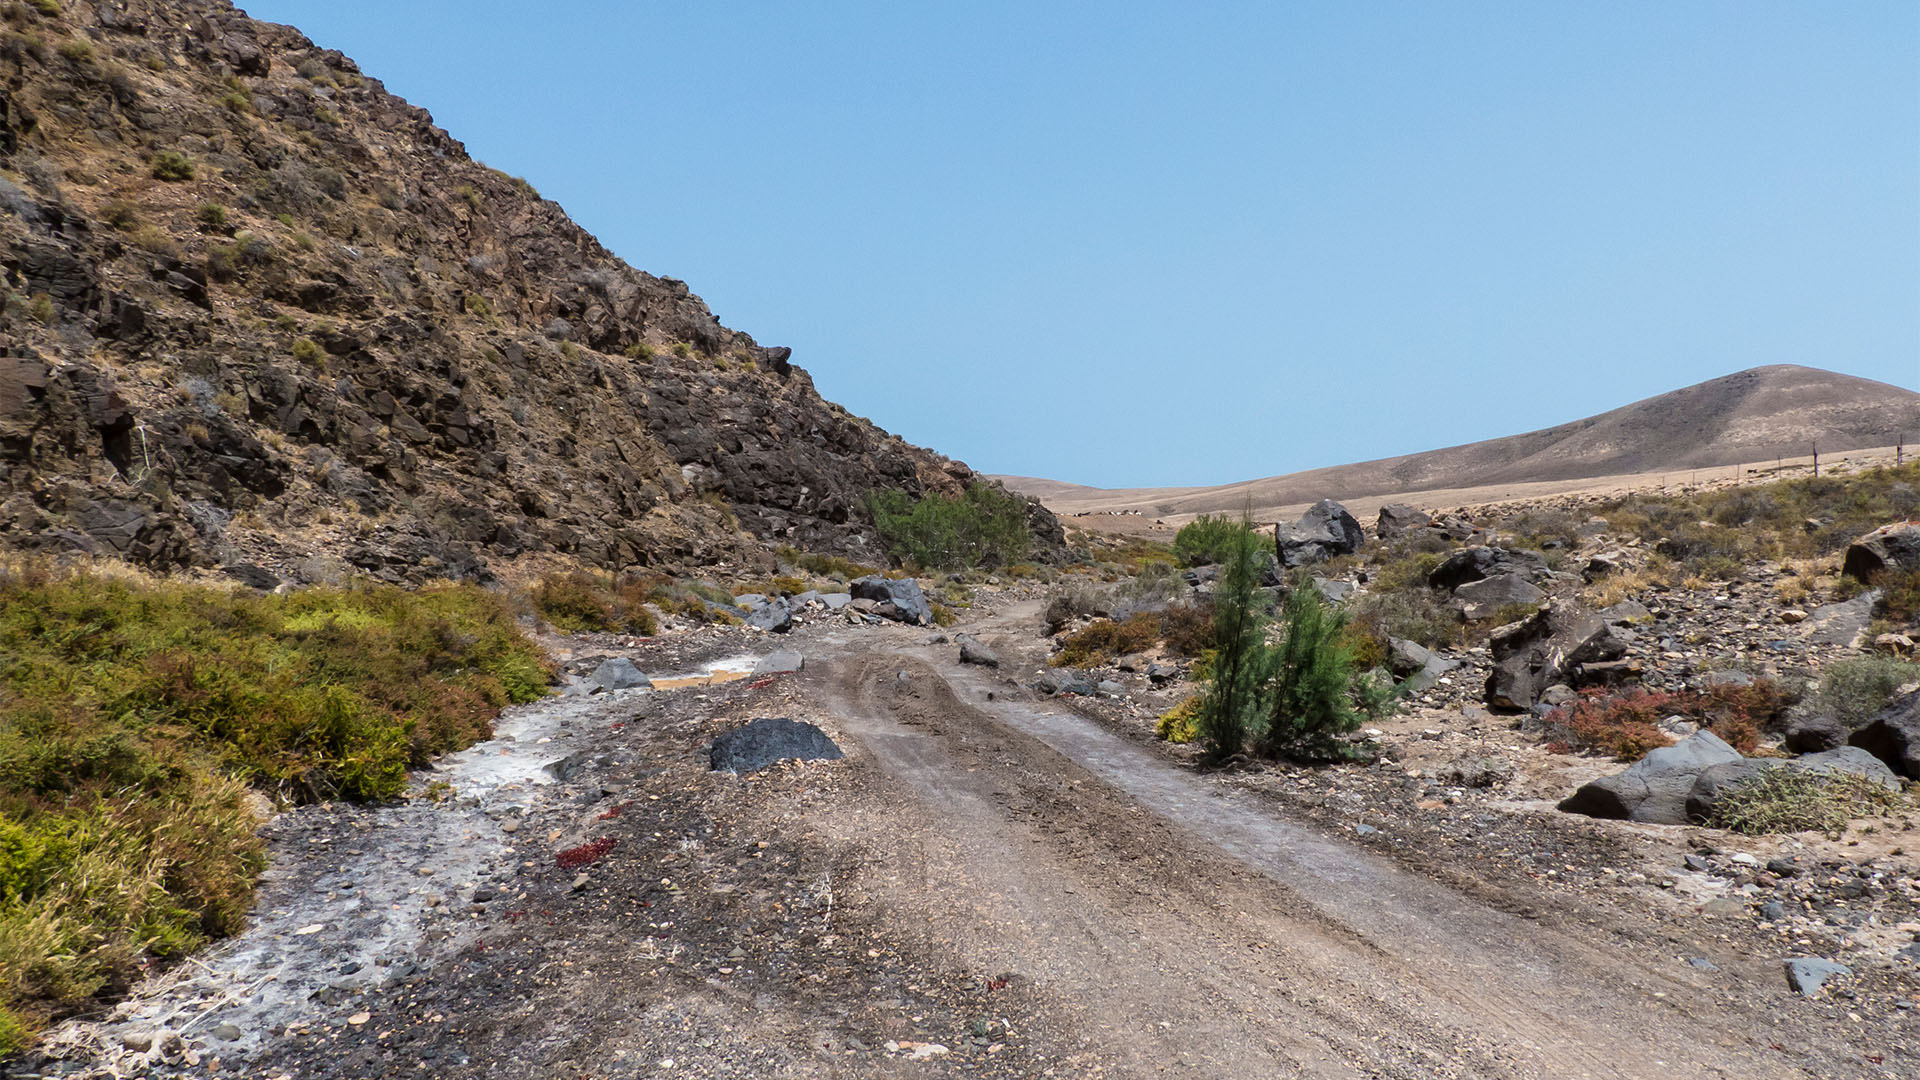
1702,963
1793,615
510,826
312,929
227,1032
581,882
1806,974
137,1041
359,1018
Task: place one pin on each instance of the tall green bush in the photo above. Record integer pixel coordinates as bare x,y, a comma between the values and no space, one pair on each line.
1233,703
983,528
1317,692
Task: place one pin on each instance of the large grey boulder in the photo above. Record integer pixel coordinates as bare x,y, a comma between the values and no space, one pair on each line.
1324,531
972,652
1481,599
1064,681
767,741
1483,561
618,674
774,616
1551,647
1398,518
1893,736
1889,547
1842,623
909,604
1815,733
779,662
1418,667
1655,788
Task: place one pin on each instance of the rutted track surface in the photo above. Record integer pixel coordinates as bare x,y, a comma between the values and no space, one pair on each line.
985,870
1126,879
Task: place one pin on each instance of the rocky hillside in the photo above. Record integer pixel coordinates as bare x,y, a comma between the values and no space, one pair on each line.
1749,416
260,312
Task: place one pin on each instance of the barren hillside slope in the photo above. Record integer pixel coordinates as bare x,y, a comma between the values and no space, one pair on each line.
1766,412
258,310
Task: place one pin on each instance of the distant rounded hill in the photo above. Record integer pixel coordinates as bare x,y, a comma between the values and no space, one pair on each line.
1750,416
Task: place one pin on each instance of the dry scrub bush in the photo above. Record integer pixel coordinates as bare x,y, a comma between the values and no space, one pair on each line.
1783,800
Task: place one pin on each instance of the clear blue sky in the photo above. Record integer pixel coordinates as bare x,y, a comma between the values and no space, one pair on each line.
1129,244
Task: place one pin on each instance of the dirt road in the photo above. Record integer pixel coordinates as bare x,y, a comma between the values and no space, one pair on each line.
989,883
1213,938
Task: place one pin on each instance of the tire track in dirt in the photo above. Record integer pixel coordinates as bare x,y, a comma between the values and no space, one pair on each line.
1122,882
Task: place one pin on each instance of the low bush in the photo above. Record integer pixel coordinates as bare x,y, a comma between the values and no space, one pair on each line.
1899,596
1853,690
1206,540
172,165
834,567
1415,614
1782,800
983,528
583,603
1713,534
1075,602
1101,641
1180,724
1625,724
130,715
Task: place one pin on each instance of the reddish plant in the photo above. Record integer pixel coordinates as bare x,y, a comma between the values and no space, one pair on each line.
586,854
1626,725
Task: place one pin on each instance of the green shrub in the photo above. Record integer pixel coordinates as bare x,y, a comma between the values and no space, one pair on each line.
211,215
1180,724
682,349
130,714
120,214
640,350
826,566
1714,533
42,309
76,50
1853,690
582,603
983,528
1318,692
1415,614
309,352
1232,705
172,165
1783,800
1207,540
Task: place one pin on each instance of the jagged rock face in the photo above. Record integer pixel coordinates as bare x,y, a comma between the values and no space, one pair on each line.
343,339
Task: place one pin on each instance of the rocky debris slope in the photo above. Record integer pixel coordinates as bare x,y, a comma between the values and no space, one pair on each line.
257,310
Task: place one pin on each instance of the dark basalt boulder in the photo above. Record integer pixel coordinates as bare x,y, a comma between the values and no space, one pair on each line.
908,603
1481,561
1889,547
1546,649
1324,531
